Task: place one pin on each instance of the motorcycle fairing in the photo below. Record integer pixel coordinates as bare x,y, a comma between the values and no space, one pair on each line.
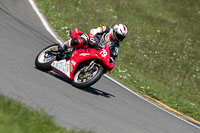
67,68
76,33
79,56
82,55
62,67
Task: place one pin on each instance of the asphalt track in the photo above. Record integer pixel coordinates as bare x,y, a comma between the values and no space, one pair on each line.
103,108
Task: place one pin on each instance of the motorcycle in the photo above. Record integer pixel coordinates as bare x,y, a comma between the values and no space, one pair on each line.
83,66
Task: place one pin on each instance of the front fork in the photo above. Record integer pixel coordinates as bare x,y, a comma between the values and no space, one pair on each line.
90,66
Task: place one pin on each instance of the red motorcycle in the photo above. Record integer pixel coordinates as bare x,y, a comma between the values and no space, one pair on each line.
83,66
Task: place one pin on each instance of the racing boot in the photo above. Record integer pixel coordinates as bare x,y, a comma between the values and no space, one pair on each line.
64,49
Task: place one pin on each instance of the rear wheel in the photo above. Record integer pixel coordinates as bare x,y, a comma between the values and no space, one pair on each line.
44,58
84,79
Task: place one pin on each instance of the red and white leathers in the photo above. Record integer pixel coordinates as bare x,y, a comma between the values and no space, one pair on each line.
111,35
108,34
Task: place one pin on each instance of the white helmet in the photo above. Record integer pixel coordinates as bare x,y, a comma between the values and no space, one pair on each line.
119,32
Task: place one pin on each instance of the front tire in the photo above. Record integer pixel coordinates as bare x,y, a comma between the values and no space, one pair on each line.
84,82
43,61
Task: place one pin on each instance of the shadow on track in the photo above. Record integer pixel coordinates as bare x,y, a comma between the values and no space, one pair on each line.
90,90
98,92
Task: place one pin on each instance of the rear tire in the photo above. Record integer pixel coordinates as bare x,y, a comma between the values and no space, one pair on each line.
40,62
94,79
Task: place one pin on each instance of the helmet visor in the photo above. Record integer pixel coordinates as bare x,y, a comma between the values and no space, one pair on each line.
118,36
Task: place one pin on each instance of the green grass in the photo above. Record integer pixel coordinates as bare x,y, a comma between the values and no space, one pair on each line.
15,118
161,54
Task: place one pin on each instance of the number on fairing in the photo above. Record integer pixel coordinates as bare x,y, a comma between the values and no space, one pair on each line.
103,53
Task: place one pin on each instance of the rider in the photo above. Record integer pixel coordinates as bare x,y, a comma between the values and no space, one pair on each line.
112,35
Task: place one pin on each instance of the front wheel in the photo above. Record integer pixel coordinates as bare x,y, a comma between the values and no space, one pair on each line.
44,59
84,79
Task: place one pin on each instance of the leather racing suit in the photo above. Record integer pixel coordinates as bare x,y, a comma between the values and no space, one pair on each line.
103,32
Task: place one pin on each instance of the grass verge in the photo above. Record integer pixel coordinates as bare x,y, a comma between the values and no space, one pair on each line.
15,118
159,57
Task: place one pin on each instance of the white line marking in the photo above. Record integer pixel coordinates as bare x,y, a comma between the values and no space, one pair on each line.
45,23
148,100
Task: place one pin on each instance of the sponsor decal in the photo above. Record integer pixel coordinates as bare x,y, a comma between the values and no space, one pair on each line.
84,54
67,67
73,62
71,68
62,66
